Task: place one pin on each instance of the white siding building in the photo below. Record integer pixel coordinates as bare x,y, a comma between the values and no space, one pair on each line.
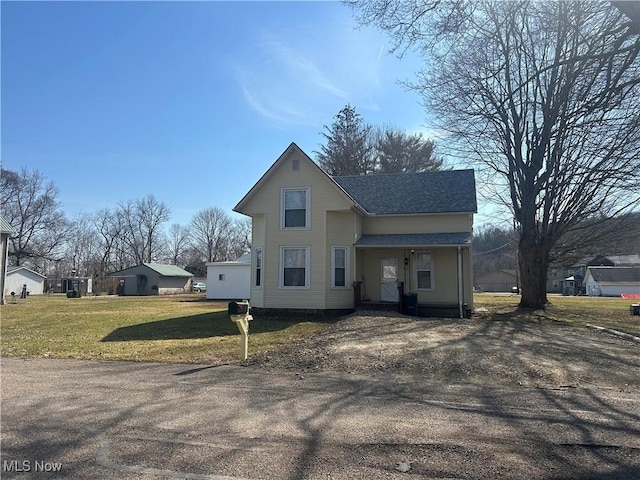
229,280
19,276
612,281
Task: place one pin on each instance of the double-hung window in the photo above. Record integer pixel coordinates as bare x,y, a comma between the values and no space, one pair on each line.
257,273
424,271
294,272
295,208
339,267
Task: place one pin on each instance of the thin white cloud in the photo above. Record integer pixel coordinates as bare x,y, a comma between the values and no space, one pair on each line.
284,85
302,69
296,80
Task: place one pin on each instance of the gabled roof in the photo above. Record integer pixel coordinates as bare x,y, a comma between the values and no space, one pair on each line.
607,275
625,260
446,191
18,268
291,149
5,227
162,269
600,260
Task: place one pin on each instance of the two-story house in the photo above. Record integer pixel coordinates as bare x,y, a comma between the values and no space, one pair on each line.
337,243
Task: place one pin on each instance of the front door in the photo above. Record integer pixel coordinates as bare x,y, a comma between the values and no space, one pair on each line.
389,276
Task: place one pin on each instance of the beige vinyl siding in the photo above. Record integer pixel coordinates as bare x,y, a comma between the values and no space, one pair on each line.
340,233
323,196
467,273
416,224
445,277
444,271
258,239
369,268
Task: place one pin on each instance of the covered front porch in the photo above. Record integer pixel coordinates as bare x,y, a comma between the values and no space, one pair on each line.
415,274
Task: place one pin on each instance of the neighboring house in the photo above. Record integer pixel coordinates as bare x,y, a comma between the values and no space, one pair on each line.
612,281
5,232
153,279
229,280
499,281
334,243
570,280
555,279
17,277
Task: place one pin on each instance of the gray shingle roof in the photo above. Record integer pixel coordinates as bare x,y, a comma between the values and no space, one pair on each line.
409,240
625,260
446,191
615,274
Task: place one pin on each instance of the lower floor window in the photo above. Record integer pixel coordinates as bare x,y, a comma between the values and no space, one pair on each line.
424,274
295,267
340,264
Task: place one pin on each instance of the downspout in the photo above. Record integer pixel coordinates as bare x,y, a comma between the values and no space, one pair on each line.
460,285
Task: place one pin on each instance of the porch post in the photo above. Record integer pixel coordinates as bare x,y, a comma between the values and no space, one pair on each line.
460,284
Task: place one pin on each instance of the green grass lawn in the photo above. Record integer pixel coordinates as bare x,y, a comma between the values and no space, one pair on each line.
190,329
606,312
185,328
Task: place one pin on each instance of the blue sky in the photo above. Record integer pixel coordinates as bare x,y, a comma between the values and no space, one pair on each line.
188,101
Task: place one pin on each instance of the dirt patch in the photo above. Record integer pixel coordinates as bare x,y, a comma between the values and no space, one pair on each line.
486,349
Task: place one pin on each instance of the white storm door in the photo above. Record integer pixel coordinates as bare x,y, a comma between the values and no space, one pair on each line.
389,279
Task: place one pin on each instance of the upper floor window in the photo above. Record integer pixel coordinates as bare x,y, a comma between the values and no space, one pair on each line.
295,208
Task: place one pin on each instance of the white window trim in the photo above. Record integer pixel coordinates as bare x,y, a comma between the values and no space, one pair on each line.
307,221
347,273
307,259
415,273
255,268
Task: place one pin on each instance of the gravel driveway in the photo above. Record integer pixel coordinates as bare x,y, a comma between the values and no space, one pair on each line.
481,350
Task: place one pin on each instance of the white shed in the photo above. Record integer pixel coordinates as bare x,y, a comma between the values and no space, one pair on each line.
229,280
612,281
19,276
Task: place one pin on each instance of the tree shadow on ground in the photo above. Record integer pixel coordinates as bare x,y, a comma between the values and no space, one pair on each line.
204,325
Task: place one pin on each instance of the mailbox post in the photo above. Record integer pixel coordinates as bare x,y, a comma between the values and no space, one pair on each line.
240,313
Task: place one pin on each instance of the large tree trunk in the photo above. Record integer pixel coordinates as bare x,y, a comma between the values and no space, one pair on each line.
533,261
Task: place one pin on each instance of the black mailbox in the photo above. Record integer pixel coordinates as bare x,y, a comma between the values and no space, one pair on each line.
238,308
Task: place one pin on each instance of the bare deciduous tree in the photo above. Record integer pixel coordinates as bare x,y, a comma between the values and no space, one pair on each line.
240,238
177,243
545,96
83,246
31,206
143,219
210,229
110,228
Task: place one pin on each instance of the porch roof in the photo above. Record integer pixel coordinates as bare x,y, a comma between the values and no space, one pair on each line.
415,240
